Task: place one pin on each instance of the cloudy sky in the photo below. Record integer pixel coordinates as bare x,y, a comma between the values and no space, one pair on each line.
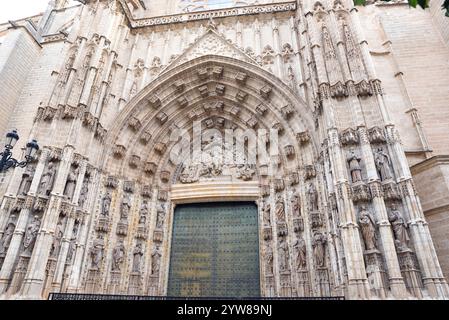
16,9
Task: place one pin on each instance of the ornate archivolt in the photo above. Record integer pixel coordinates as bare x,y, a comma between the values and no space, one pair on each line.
222,93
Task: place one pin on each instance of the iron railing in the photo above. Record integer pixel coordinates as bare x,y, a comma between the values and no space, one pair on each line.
81,296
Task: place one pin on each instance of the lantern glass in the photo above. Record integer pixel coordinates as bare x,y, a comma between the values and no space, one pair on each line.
32,148
11,139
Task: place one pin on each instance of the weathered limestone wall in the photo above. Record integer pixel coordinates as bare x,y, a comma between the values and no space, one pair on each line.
18,54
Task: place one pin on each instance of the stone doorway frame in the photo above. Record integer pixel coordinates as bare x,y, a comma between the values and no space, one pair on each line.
211,191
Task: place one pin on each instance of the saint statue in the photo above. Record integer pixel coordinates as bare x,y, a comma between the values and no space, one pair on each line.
71,184
84,191
5,241
59,233
319,242
118,255
280,209
368,228
71,250
155,261
137,257
96,255
268,259
125,207
383,165
296,205
27,179
266,208
160,215
399,227
354,167
312,195
106,204
31,234
300,249
47,180
283,255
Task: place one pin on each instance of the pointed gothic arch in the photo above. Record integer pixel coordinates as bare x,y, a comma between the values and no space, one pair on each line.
247,95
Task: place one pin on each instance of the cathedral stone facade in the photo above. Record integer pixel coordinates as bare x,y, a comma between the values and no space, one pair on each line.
354,203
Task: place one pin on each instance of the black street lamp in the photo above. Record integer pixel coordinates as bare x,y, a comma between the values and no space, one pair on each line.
7,161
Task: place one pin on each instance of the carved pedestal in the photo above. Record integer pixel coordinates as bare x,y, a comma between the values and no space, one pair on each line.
49,274
122,228
286,284
267,233
93,281
141,232
158,235
298,224
135,284
323,284
153,285
375,271
303,283
103,224
282,229
19,274
410,272
315,219
270,290
114,282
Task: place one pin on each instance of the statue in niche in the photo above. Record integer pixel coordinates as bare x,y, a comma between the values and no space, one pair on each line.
96,255
27,179
56,245
118,255
300,248
5,241
155,261
137,257
106,204
31,234
383,165
296,205
368,228
318,244
144,208
70,186
312,195
399,228
280,209
354,167
84,191
47,180
268,254
125,207
266,209
160,215
283,255
71,250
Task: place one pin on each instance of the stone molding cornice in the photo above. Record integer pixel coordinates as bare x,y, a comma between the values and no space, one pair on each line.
430,163
205,15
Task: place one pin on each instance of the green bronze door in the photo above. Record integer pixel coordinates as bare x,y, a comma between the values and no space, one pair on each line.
215,251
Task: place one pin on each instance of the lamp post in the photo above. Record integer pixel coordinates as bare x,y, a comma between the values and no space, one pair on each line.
7,161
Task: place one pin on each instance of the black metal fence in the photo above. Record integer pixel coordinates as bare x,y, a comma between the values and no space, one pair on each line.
80,296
